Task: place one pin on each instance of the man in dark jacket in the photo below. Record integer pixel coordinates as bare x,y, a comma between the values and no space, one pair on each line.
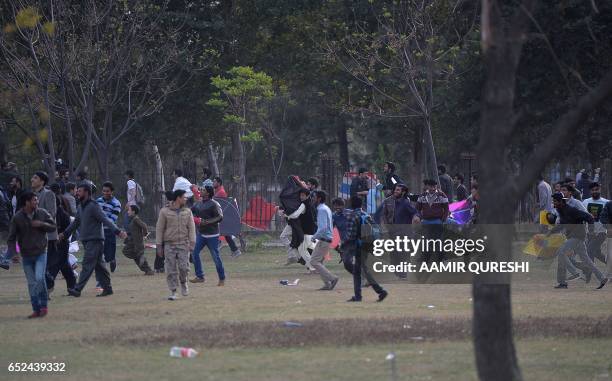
460,190
207,214
572,222
354,247
60,262
391,179
446,183
397,209
90,220
29,228
359,185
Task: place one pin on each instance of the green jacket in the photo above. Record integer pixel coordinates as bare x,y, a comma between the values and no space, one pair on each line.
134,243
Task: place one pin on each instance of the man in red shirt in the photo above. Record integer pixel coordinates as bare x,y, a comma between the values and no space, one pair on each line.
218,186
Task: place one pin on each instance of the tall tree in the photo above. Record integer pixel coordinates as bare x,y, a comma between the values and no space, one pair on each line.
504,32
242,96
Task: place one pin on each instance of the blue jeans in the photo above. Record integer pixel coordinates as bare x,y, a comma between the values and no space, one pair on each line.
5,254
110,245
35,268
213,246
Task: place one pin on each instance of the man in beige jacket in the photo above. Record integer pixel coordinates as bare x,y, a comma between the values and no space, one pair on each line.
175,239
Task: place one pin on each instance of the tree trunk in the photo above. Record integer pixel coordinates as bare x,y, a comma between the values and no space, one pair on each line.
431,163
238,180
159,187
212,159
415,175
3,143
492,324
343,151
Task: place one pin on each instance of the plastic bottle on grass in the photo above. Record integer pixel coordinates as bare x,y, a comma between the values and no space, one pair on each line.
183,352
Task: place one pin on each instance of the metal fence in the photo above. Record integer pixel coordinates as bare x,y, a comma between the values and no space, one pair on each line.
257,207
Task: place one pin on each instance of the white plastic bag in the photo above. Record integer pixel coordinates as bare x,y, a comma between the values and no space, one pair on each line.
74,247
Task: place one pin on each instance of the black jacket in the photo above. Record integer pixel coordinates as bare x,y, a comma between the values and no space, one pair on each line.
358,185
211,214
391,180
308,219
572,220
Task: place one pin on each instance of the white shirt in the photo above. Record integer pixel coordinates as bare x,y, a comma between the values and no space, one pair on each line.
131,192
595,207
183,184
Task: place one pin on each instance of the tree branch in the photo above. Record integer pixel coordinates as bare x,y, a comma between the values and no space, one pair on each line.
564,129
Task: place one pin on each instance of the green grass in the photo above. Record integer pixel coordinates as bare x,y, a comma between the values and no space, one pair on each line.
128,335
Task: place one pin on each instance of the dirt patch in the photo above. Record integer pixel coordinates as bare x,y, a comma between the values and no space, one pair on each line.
319,332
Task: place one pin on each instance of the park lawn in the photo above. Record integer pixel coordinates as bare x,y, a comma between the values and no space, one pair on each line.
128,335
541,359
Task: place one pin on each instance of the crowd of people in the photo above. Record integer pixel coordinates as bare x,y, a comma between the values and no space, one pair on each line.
40,223
309,232
576,208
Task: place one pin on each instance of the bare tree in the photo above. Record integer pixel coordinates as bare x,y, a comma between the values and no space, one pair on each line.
103,66
127,62
28,48
402,55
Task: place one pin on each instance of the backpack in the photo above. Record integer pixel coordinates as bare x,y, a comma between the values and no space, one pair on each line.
369,230
340,221
139,197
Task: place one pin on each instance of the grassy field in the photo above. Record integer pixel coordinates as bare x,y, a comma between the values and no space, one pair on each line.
239,329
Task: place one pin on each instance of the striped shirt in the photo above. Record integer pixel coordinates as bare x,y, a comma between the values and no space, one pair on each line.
111,208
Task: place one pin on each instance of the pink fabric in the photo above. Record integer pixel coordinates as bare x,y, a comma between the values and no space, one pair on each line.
459,205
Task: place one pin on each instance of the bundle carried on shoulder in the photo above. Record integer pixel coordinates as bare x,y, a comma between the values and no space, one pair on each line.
290,194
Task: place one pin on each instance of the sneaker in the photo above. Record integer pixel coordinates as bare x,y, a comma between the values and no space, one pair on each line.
333,283
382,296
196,280
73,292
561,285
602,284
43,312
106,292
34,315
573,277
4,265
354,299
172,295
184,289
236,254
99,289
221,283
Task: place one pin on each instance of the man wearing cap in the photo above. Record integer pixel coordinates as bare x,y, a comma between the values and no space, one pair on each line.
572,222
